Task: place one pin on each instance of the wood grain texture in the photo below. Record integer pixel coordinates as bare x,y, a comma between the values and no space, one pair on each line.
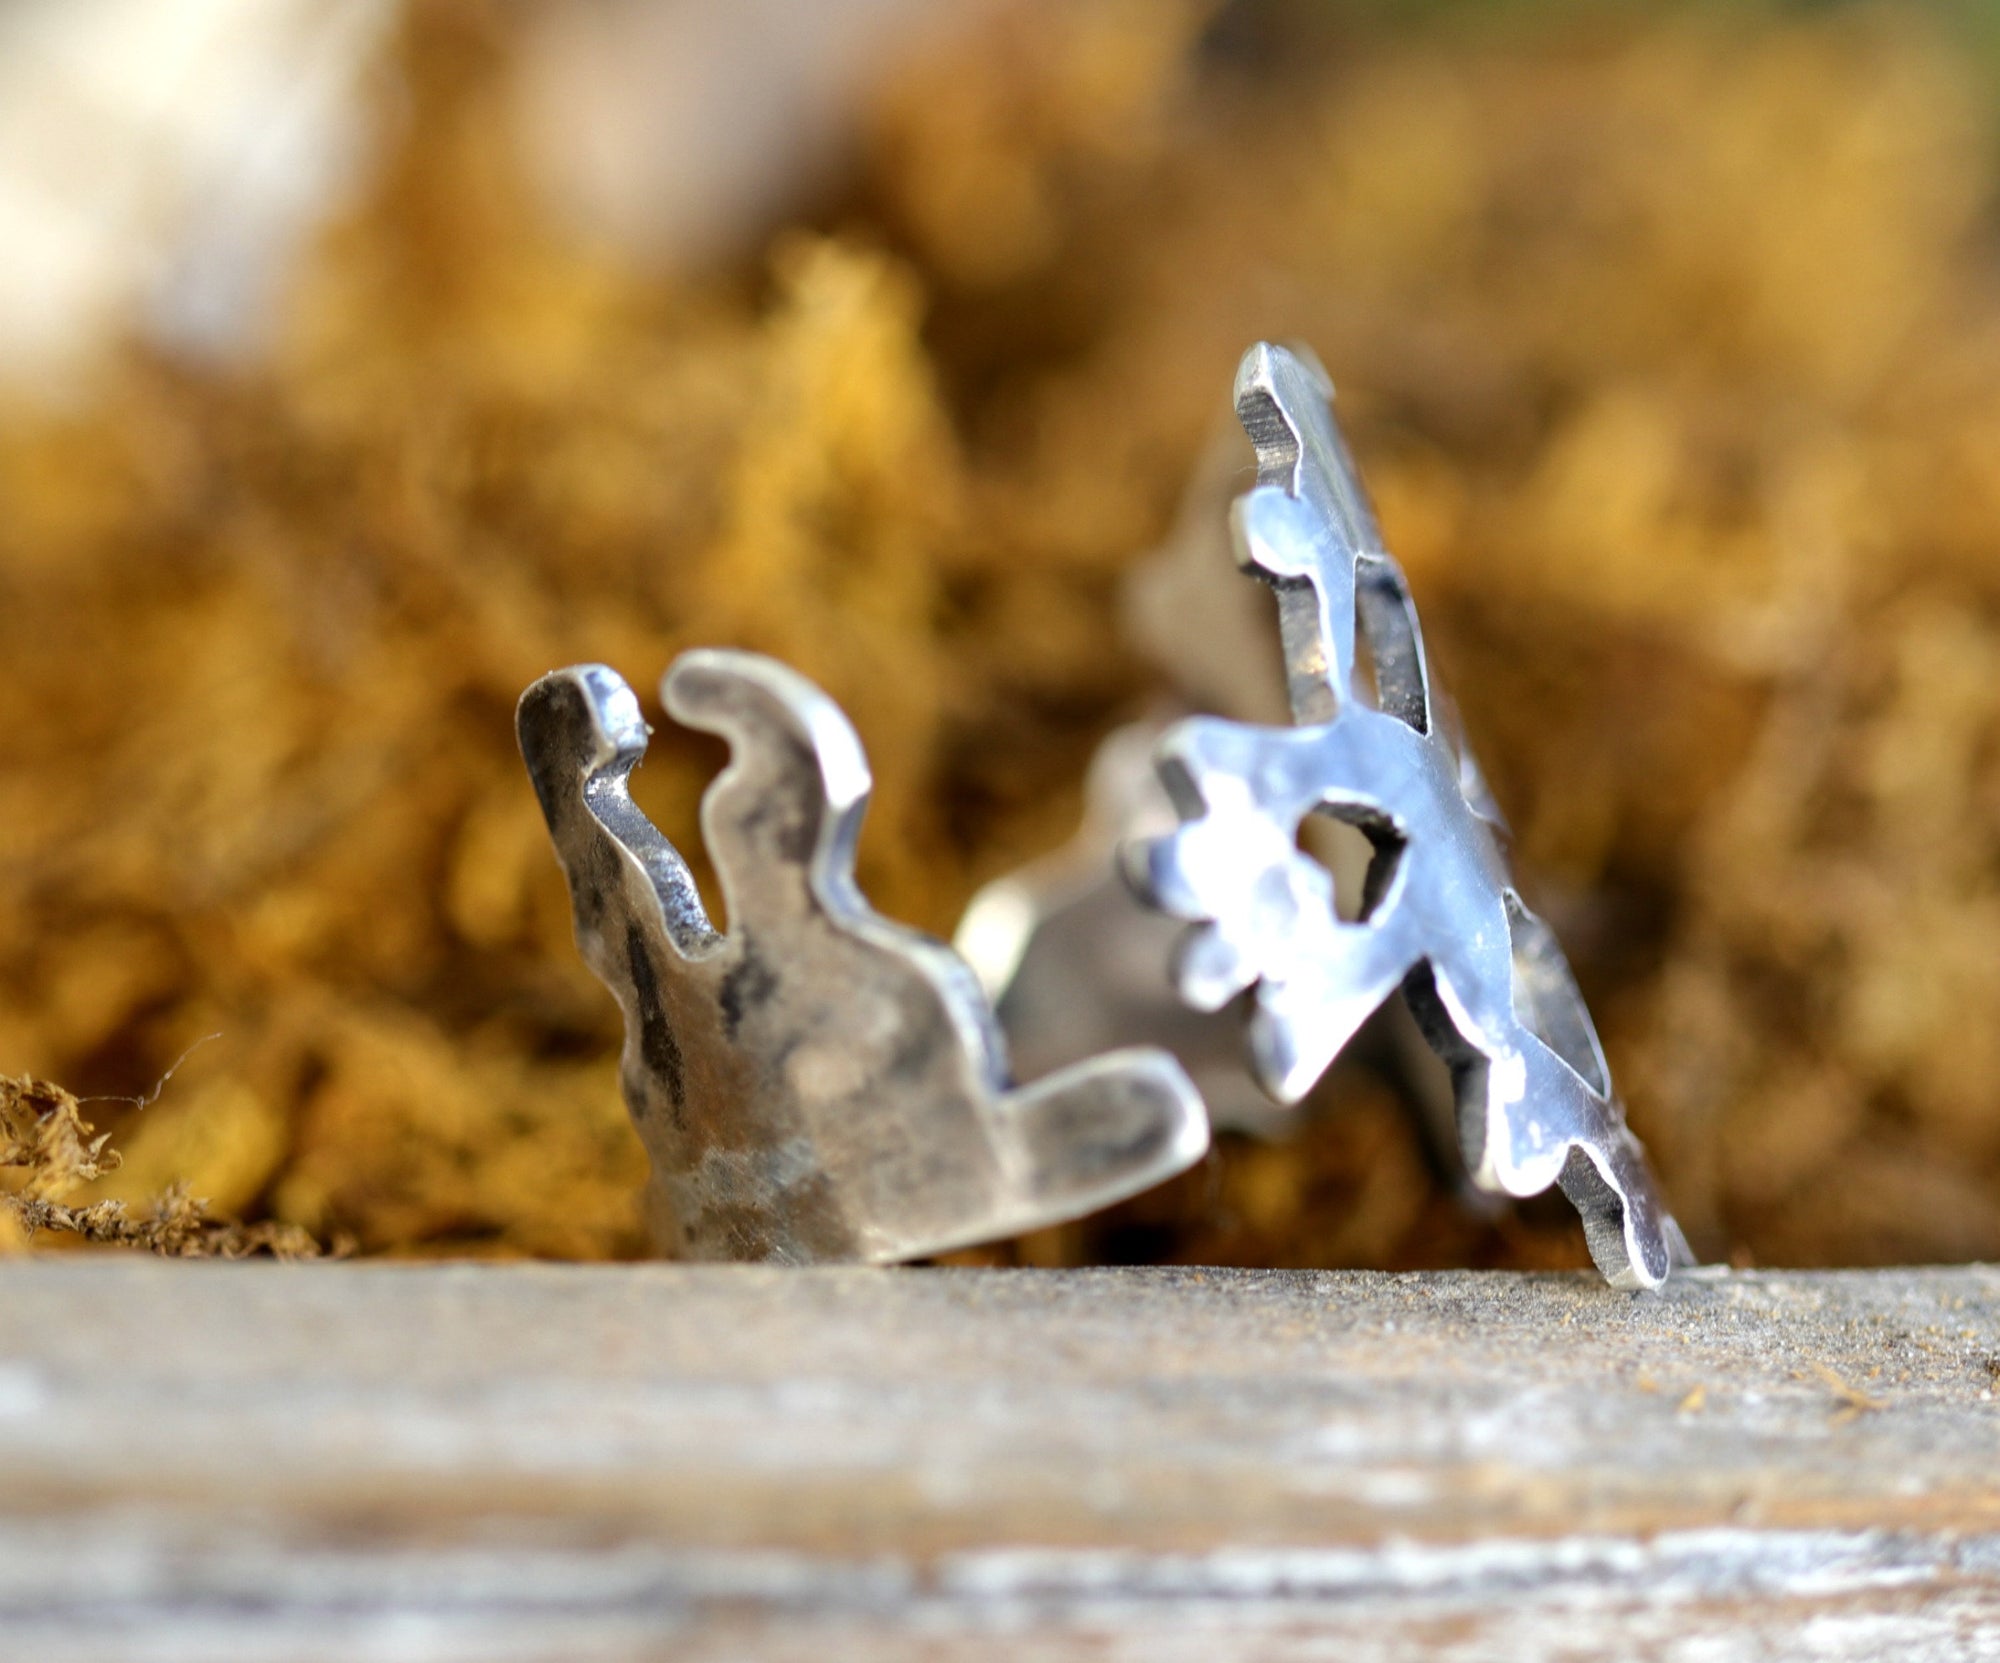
224,1462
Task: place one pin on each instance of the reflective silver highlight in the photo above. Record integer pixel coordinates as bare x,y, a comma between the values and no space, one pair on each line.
1440,918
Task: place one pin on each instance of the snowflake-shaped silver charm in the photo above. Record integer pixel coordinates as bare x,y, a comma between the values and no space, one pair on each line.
1439,917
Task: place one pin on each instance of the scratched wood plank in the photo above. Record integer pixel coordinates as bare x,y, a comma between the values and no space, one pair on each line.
223,1462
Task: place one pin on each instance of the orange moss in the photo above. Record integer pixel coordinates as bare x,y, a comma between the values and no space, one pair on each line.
1669,345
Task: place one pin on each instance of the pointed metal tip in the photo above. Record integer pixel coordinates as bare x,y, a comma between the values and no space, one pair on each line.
1278,371
1256,372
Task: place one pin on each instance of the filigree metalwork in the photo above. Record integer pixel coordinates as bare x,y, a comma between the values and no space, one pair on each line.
818,1083
1440,918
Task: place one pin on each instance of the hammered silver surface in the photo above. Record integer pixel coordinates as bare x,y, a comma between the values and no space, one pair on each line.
817,1084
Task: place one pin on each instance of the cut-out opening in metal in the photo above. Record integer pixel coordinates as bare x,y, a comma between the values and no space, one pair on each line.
1360,854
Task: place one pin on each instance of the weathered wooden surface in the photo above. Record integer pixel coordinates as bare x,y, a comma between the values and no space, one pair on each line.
224,1462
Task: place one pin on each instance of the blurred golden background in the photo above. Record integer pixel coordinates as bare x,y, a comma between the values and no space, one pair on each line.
1668,340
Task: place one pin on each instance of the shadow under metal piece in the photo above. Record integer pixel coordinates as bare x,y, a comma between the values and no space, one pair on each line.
819,1084
1440,917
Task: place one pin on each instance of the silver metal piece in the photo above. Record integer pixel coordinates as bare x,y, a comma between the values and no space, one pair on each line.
818,1084
1440,918
1075,963
1072,959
